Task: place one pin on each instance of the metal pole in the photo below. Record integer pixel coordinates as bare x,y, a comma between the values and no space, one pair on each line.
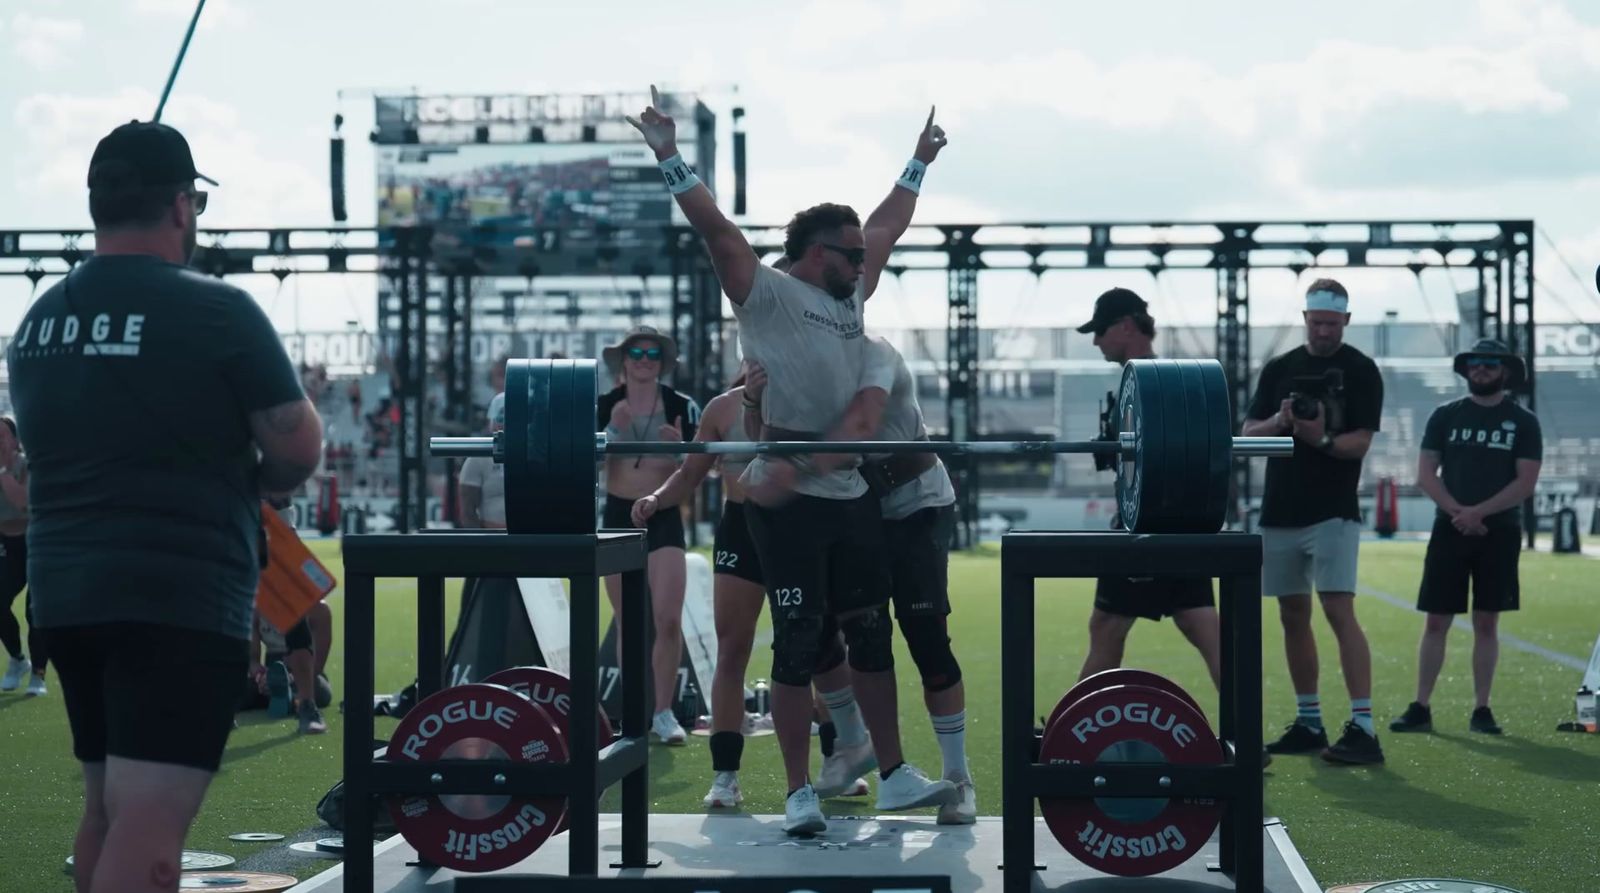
178,62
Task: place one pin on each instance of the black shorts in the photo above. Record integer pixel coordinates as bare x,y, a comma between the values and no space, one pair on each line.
664,530
734,551
1489,562
146,692
1152,597
919,560
821,556
298,638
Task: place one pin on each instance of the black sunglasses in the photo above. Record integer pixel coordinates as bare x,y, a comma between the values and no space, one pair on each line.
856,256
200,198
640,353
1480,362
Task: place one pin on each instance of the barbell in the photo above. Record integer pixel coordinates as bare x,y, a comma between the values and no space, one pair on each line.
1172,455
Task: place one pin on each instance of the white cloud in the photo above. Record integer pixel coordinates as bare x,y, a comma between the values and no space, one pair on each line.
44,41
259,188
217,14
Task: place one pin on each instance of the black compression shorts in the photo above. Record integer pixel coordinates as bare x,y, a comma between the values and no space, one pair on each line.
734,551
664,530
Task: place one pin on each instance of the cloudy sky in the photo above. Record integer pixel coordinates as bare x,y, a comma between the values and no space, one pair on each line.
1056,111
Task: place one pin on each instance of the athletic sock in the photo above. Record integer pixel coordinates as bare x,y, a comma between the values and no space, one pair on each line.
883,774
1309,712
846,716
827,733
727,748
951,733
1361,714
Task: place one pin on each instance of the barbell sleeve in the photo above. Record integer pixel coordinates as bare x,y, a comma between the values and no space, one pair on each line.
463,447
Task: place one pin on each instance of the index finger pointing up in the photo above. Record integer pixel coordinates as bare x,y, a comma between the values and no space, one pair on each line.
655,98
930,118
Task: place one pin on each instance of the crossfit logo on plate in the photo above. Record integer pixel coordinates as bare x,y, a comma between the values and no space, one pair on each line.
1099,843
1112,715
470,846
452,713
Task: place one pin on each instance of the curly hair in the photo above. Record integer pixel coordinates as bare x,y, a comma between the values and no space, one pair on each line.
811,222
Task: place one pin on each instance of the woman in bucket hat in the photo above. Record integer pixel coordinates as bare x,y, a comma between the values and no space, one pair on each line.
641,408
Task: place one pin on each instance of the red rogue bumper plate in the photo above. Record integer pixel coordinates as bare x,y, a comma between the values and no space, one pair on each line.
473,832
1126,836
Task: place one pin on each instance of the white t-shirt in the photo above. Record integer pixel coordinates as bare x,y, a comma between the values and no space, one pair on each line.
902,420
812,347
483,473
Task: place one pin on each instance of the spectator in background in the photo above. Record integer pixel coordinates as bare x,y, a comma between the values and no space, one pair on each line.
14,568
642,408
1479,462
481,488
1329,396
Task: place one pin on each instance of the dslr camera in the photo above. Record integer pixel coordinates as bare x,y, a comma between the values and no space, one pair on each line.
1308,391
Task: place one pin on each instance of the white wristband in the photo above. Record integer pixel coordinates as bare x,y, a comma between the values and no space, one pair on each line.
680,176
911,177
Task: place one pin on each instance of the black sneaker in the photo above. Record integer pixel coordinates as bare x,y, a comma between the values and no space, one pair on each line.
1483,721
1355,746
1417,718
1299,738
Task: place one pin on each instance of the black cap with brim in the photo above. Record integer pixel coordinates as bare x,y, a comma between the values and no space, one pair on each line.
1111,306
1516,371
143,153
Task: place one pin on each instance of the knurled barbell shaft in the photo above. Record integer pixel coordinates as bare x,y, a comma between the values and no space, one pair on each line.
463,447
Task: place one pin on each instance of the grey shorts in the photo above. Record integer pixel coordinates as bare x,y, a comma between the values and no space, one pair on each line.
1323,556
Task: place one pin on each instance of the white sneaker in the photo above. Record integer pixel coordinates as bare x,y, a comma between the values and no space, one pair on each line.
801,814
19,667
666,727
963,811
859,789
724,791
841,771
907,788
36,687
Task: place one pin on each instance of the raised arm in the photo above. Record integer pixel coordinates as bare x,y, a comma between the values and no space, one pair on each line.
731,255
888,222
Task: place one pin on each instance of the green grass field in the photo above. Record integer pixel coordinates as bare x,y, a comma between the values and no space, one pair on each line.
1518,810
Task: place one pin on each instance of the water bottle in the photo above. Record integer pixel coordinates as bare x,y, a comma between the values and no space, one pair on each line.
1586,709
764,697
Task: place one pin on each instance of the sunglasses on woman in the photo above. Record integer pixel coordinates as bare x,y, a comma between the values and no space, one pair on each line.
644,353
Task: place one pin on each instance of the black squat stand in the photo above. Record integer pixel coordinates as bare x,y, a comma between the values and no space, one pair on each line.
430,557
1234,559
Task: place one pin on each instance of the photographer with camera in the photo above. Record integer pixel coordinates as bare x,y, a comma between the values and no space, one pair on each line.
1123,330
1329,396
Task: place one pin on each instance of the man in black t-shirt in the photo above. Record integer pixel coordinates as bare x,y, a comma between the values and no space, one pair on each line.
144,550
1479,461
1329,396
1123,330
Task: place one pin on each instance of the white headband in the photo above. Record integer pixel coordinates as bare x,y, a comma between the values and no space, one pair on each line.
1323,299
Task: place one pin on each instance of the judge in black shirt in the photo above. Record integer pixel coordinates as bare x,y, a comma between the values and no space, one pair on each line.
1479,461
1329,396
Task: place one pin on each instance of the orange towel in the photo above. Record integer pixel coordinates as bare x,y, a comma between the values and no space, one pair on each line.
294,581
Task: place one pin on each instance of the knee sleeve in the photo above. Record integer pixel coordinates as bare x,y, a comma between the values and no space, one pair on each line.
830,653
796,645
870,635
928,639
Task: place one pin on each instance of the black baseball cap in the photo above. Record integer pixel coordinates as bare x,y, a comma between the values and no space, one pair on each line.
1111,306
143,153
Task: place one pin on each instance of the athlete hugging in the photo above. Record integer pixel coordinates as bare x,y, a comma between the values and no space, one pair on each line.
830,539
